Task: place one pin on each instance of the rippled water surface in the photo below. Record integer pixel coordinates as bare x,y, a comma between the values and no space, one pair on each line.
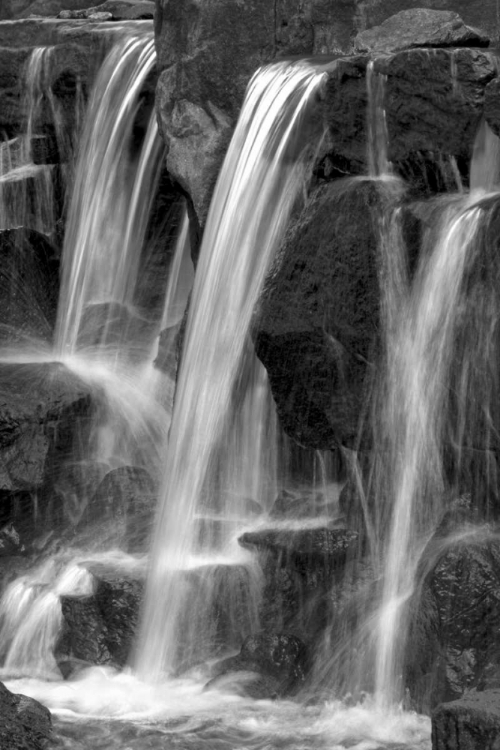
107,711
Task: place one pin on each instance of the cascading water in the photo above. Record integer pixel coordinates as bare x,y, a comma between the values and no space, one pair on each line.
255,194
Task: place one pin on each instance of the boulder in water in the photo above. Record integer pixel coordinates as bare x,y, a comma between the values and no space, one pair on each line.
471,723
279,661
24,723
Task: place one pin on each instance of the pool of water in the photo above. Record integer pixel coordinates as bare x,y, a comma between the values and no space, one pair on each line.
103,710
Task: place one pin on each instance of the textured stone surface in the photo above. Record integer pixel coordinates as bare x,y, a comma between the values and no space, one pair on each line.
24,723
318,325
433,103
472,723
419,27
280,659
454,641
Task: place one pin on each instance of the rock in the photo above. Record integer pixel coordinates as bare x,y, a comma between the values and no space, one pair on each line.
114,10
36,400
453,644
328,544
10,541
83,639
472,723
28,285
419,27
301,504
24,723
101,628
127,497
280,660
317,331
477,13
207,54
420,118
492,105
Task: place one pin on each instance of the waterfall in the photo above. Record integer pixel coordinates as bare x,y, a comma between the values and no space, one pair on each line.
423,326
259,183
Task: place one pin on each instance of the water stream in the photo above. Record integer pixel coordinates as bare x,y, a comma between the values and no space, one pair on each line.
218,461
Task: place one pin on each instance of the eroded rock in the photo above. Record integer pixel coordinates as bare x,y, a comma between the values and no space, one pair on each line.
24,723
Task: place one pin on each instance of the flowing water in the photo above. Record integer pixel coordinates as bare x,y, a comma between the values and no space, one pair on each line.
220,461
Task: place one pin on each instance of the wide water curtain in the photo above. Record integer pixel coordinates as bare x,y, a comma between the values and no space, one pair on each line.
260,181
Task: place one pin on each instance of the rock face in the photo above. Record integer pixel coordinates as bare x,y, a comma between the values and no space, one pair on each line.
419,27
24,723
472,723
279,663
453,646
317,332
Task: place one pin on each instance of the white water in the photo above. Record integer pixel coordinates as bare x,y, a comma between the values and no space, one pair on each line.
420,350
254,196
109,210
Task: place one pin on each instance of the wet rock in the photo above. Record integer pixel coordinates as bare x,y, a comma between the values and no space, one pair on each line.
477,13
419,27
10,541
24,723
101,628
472,723
119,598
280,660
317,331
454,641
28,286
492,105
291,504
83,640
333,544
40,408
420,118
127,496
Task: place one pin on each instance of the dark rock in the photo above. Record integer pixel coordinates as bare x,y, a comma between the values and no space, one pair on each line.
492,105
39,409
421,117
83,639
127,496
317,331
333,544
119,599
298,504
24,723
472,723
478,13
454,641
101,628
419,27
10,541
28,286
282,657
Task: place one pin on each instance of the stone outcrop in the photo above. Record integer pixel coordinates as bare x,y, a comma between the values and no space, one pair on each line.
24,723
471,723
419,27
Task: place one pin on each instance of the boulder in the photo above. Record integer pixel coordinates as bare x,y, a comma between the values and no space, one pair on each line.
279,661
419,27
318,327
24,723
44,410
101,628
471,723
127,497
433,101
454,638
29,277
329,545
477,13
